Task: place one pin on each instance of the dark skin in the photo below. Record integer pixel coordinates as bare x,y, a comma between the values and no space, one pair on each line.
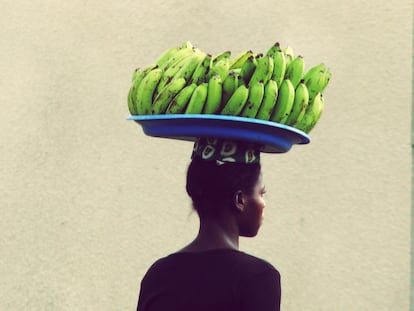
244,218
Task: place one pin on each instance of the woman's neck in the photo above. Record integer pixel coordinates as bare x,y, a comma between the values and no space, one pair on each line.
221,232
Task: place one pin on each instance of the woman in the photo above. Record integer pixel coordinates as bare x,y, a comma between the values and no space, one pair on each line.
225,184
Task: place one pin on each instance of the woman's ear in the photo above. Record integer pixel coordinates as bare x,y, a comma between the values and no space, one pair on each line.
239,200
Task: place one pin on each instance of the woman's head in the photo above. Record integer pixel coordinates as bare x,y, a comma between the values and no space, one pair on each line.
229,187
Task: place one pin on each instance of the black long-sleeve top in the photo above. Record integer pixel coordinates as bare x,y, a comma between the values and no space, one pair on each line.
220,279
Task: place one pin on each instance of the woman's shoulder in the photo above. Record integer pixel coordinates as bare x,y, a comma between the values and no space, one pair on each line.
254,264
235,260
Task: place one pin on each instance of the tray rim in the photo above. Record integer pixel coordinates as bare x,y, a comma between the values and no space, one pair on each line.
269,125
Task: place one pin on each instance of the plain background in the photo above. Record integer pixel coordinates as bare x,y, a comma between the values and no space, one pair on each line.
88,202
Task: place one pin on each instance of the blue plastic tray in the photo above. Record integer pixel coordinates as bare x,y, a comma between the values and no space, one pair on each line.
274,137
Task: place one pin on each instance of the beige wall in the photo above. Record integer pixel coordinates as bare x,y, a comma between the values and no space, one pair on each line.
88,201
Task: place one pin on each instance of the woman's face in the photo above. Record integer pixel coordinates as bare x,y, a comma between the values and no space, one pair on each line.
251,217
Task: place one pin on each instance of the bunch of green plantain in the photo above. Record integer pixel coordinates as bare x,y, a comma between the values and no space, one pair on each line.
272,86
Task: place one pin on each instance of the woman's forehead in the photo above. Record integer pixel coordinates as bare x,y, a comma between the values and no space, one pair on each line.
260,180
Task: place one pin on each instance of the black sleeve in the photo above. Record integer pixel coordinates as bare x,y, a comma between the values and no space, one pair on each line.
140,300
142,297
261,292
